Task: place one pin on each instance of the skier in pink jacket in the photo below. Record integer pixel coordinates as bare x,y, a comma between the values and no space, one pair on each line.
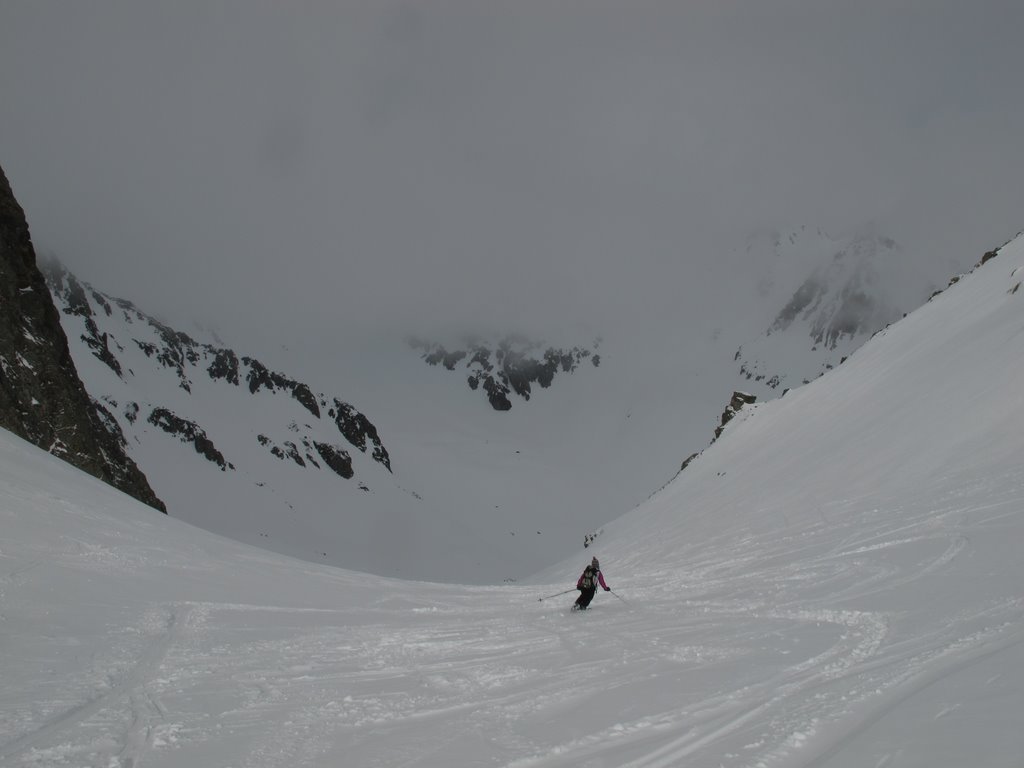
587,585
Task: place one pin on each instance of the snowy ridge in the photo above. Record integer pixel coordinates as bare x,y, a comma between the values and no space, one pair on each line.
834,582
112,334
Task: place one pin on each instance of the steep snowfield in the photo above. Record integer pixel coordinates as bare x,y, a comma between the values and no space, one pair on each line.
835,582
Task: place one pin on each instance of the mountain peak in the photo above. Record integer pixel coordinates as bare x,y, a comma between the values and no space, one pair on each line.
849,289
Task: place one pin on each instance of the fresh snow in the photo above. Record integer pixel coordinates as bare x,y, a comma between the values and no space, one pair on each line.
836,582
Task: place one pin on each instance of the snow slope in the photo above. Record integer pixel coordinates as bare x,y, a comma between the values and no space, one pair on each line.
835,582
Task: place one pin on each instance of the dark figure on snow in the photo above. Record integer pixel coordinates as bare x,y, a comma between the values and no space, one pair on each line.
587,585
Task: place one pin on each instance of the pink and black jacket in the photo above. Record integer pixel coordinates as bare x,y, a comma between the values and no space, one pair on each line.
598,578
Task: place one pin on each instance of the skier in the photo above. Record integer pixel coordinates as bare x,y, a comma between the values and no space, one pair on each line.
587,585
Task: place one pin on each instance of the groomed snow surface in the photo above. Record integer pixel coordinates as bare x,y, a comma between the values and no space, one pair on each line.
836,582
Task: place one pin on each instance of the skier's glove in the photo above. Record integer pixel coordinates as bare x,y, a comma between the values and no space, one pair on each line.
607,589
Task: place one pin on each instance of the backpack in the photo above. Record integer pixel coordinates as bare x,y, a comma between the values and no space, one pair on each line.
589,580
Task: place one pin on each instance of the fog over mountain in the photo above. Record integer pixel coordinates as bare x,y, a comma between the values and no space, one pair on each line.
579,166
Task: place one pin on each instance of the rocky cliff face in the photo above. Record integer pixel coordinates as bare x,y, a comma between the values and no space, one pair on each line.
154,376
42,398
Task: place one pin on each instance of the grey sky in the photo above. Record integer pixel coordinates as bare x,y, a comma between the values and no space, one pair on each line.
386,162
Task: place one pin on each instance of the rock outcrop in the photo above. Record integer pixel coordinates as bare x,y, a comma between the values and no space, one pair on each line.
513,366
736,404
42,398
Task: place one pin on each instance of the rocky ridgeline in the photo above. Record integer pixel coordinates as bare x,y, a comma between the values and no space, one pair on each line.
42,398
187,361
985,259
511,367
736,404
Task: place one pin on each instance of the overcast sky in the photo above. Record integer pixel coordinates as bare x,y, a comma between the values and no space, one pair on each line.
383,162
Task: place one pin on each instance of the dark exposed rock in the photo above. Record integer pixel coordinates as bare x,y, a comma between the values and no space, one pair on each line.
290,451
42,398
497,394
177,350
148,349
359,431
688,460
513,366
306,398
986,257
339,460
110,424
188,432
98,298
260,377
736,403
336,458
224,366
481,359
443,357
131,412
739,399
77,303
100,345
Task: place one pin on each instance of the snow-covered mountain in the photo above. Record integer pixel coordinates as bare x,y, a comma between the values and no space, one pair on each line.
232,444
849,289
471,460
834,582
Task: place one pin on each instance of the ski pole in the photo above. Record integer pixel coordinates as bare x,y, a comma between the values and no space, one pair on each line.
619,596
548,597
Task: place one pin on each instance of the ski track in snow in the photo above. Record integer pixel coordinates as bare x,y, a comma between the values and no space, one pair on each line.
754,664
160,629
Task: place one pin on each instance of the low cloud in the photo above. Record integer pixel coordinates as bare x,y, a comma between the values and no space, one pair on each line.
408,165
